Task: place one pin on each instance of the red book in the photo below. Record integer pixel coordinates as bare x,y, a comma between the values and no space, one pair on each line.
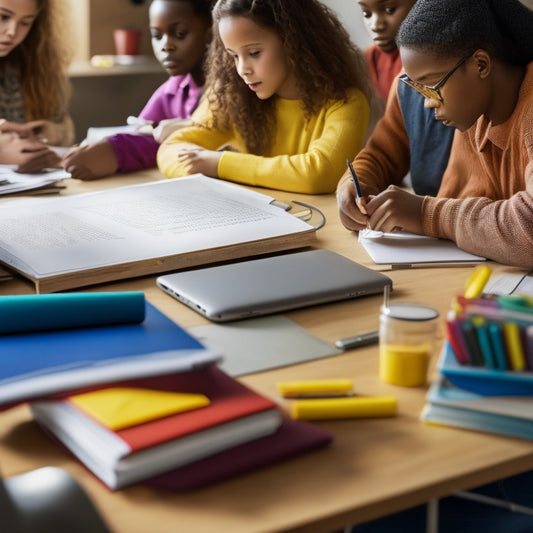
235,415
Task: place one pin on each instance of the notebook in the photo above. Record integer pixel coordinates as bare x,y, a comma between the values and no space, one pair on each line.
272,284
406,249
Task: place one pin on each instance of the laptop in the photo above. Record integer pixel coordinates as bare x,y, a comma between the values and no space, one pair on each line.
272,284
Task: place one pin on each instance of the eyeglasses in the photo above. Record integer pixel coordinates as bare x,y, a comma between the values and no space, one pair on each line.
432,92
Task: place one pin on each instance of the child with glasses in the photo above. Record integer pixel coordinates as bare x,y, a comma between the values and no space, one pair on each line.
407,145
474,69
286,99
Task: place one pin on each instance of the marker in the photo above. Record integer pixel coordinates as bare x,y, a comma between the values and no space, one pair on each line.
316,387
334,408
477,281
365,339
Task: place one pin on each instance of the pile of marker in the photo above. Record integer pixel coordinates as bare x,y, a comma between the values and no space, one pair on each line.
332,399
495,332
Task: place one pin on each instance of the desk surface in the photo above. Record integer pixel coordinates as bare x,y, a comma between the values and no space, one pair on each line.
374,467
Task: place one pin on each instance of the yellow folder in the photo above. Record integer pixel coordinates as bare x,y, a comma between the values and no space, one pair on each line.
119,408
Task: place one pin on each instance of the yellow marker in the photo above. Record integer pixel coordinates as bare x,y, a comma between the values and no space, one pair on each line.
515,352
333,408
474,285
315,387
477,281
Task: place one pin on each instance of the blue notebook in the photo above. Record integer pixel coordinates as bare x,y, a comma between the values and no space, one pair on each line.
38,364
451,406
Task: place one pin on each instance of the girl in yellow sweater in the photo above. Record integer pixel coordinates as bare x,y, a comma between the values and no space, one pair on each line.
286,100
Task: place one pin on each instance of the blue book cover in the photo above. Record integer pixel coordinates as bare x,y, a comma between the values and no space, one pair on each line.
451,406
42,363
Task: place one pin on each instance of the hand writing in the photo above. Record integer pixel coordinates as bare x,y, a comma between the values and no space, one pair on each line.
352,210
395,209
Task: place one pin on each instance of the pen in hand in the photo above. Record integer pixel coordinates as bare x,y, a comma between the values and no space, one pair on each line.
358,194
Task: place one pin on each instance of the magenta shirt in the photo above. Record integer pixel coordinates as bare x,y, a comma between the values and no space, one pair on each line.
176,98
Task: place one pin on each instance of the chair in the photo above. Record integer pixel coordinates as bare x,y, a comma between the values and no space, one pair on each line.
47,500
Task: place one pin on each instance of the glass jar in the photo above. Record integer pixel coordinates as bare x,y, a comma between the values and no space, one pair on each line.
406,342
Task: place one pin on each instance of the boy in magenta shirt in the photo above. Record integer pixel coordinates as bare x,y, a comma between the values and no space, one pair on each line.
180,32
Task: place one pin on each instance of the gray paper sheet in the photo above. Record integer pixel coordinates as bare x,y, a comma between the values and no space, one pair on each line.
257,344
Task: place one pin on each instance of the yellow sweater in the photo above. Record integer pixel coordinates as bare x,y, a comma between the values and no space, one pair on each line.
306,156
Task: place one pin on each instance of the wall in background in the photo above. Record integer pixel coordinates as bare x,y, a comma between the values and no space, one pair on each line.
94,21
351,17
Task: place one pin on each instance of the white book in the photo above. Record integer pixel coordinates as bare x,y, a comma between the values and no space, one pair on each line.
121,457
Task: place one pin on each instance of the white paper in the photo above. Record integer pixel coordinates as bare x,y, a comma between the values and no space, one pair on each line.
95,134
405,248
509,284
12,182
127,224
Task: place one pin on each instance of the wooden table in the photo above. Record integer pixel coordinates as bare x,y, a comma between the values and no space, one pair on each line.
373,468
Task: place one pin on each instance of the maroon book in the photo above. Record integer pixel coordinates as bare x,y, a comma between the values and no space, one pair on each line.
294,437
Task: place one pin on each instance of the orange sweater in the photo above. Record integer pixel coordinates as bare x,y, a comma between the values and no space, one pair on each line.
485,202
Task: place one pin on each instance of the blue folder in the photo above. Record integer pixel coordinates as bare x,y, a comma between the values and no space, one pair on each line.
41,363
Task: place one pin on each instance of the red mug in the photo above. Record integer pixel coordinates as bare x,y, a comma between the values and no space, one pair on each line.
126,41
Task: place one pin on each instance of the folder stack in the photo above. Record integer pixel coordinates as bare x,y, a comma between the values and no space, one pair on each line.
135,397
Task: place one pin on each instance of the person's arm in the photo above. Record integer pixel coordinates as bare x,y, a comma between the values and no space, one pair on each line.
201,135
384,161
29,155
499,230
314,171
52,133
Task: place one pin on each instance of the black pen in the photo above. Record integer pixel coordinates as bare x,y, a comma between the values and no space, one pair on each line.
358,193
364,339
354,178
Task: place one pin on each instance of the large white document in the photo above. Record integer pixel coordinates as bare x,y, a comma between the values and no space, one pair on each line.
153,222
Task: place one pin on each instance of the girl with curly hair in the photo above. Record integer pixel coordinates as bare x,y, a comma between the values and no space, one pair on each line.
286,100
34,88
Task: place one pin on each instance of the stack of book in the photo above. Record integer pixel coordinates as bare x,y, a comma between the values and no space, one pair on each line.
486,368
143,400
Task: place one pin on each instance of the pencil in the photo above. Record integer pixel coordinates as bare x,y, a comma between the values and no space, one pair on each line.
355,180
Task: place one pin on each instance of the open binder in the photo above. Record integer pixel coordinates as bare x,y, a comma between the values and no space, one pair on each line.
86,239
